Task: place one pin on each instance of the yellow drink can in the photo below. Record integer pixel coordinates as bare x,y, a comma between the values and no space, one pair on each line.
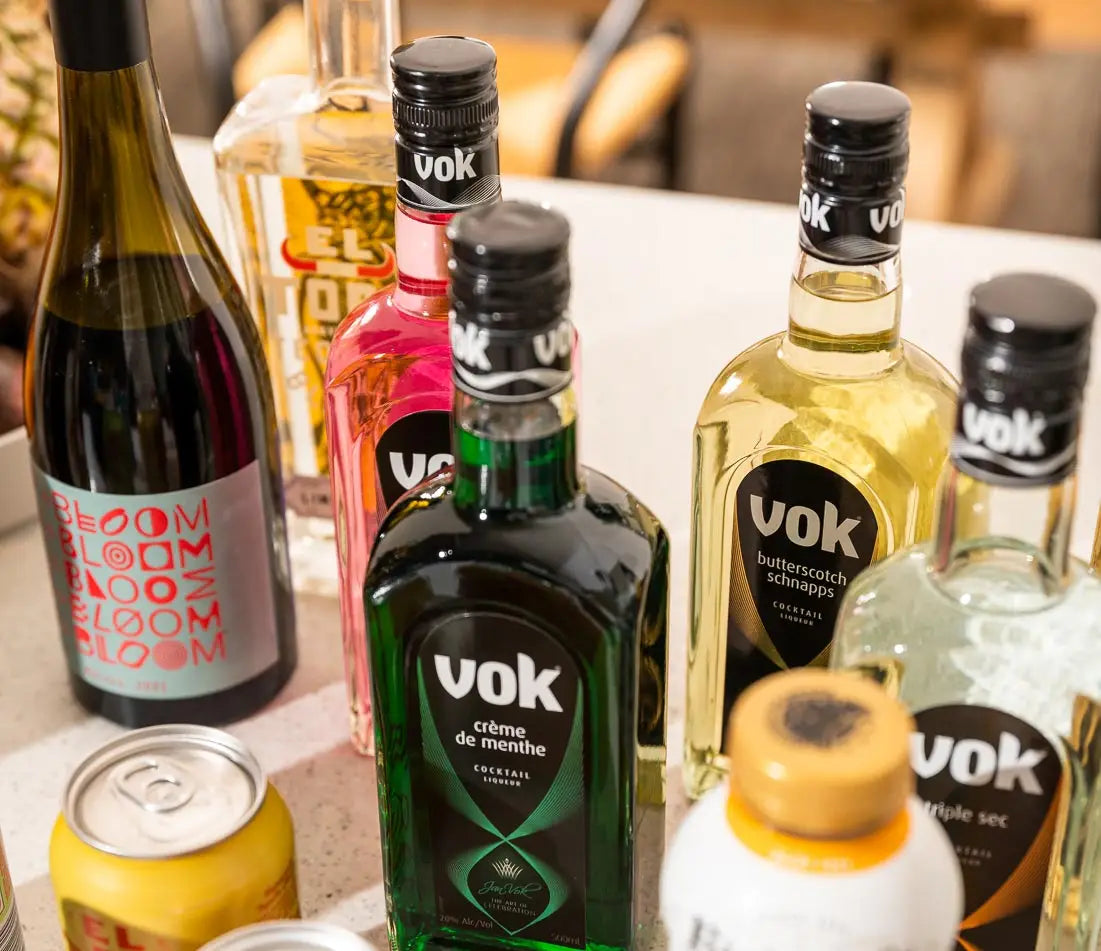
169,837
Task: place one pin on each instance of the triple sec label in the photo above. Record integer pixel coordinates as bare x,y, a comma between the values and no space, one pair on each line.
802,534
993,781
502,733
162,596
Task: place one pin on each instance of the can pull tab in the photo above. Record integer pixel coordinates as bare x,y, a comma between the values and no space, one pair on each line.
155,784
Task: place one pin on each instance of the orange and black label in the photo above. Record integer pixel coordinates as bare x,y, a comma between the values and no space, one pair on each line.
993,781
802,533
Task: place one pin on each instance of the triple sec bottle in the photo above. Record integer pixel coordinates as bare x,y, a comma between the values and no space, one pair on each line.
506,601
817,451
987,636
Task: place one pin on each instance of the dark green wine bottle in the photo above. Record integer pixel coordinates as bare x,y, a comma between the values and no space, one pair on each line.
508,601
150,412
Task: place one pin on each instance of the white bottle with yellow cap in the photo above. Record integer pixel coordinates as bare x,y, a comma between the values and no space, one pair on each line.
817,843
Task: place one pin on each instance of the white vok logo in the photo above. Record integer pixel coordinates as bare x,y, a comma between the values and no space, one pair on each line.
469,343
1016,435
554,344
499,684
446,168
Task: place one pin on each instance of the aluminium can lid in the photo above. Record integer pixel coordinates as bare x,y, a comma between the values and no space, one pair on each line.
164,791
289,936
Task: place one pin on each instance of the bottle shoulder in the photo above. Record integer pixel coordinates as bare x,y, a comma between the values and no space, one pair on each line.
378,329
989,638
605,538
286,126
761,374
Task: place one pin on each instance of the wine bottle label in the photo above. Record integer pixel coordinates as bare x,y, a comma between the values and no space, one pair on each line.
162,596
849,230
1014,445
447,180
510,366
993,781
502,731
801,534
329,246
411,450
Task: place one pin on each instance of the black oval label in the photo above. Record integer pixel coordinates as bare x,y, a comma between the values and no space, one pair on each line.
502,734
802,534
411,450
993,781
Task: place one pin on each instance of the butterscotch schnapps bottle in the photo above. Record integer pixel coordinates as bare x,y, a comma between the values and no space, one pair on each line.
306,173
988,636
816,451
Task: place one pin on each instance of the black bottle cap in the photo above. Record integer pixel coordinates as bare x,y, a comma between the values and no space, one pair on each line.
1025,360
1028,332
510,287
445,90
857,138
99,35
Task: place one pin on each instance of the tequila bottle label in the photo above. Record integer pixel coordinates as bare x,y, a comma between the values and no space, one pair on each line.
802,533
502,734
335,251
411,450
993,780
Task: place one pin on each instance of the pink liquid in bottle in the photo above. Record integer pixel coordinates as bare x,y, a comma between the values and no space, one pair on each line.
388,398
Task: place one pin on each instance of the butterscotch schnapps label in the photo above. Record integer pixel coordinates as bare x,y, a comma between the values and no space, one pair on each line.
802,533
162,596
993,781
502,732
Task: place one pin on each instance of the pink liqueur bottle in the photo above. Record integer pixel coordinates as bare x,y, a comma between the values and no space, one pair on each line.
388,388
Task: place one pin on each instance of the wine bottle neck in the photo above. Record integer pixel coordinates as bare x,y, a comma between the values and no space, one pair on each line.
121,191
350,43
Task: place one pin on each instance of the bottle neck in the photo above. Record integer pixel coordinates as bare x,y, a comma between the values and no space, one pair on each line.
113,132
350,42
515,458
1018,536
843,319
420,238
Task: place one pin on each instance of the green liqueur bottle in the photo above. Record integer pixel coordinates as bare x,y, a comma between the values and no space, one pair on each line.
506,602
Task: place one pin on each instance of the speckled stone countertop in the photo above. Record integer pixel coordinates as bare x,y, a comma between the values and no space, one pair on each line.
667,288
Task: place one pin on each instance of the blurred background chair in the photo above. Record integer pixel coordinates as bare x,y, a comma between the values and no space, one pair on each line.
568,107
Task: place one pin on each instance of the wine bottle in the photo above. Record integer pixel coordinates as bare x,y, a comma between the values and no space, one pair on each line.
150,412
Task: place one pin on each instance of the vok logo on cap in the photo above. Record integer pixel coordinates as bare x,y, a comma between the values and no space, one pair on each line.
511,366
1014,444
448,179
860,230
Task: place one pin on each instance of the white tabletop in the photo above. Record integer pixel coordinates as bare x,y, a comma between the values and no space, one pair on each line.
667,288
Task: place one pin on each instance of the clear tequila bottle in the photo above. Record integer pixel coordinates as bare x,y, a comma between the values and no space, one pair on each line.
306,173
817,450
988,635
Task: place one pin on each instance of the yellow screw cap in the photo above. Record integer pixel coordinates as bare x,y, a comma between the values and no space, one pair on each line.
820,754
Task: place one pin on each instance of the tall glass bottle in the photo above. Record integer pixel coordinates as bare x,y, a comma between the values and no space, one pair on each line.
505,601
817,450
988,636
306,172
150,412
388,388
